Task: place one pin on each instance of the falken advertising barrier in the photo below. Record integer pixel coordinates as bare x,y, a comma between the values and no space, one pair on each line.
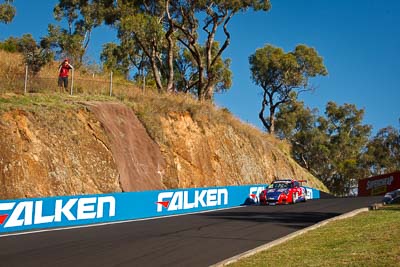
67,211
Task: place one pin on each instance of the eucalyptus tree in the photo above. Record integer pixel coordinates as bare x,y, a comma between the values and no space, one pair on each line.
382,153
331,147
185,69
142,24
305,131
115,59
279,74
168,33
36,55
127,58
347,140
81,17
10,44
215,14
7,11
187,77
146,26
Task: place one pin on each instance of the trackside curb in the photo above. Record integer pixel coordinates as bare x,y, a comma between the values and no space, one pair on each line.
287,238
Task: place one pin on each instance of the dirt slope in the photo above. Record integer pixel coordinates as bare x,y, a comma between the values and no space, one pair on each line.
137,156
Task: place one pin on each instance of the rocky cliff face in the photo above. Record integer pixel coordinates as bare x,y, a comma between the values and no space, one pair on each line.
86,149
52,152
204,153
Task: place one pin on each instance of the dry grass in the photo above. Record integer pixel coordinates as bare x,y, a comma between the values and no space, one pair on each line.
12,78
11,72
148,104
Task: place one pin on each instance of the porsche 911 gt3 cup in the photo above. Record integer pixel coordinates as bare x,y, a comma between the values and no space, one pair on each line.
285,191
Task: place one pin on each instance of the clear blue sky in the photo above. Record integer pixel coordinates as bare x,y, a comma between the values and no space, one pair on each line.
358,39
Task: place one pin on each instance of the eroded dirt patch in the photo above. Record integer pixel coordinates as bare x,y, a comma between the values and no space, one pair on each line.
137,156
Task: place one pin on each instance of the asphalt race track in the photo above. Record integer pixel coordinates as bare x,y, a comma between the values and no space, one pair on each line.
191,240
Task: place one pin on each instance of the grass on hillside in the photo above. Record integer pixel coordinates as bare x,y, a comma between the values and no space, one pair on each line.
147,104
368,239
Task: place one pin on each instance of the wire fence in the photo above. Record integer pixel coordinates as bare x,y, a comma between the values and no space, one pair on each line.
22,83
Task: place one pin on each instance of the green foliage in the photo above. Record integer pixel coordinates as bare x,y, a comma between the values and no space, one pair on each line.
283,76
164,37
270,65
115,58
219,76
382,153
10,45
299,125
330,147
35,55
347,139
7,12
81,17
142,30
335,148
217,14
65,44
310,64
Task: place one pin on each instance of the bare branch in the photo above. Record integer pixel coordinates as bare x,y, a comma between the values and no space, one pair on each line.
227,40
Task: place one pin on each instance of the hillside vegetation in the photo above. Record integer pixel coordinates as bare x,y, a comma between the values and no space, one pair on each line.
52,143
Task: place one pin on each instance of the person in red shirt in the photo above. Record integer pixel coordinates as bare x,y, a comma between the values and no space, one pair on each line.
63,72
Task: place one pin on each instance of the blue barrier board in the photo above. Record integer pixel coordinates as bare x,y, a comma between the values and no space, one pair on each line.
66,211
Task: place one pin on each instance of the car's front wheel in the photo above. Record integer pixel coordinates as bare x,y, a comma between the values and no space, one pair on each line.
294,197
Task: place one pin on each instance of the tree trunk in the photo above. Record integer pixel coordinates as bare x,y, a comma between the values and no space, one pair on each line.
200,84
170,55
209,92
261,114
271,119
156,71
170,59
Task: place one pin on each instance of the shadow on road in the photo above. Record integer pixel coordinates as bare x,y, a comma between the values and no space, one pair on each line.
289,219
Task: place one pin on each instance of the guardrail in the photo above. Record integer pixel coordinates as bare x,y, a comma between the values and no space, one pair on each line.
67,211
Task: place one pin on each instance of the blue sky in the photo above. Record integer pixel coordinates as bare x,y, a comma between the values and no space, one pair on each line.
358,39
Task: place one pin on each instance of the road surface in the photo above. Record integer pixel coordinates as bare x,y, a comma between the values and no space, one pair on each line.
191,240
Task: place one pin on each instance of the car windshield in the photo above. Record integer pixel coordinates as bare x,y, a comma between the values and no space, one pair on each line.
279,185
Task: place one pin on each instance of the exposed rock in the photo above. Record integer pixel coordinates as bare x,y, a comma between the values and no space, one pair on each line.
208,154
51,151
138,157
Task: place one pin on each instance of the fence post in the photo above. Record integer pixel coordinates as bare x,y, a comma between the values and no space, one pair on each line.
26,78
144,83
72,82
111,83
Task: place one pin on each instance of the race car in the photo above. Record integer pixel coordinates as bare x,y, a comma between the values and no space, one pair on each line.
283,191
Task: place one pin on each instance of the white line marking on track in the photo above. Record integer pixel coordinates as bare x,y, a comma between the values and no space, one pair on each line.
109,223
